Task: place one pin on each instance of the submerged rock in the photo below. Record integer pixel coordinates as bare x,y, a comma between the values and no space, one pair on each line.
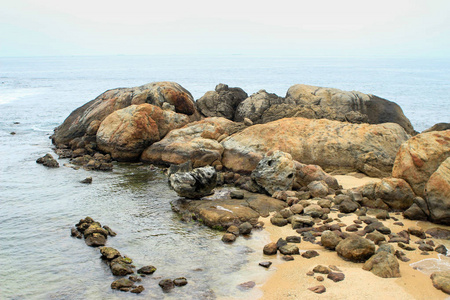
195,184
48,161
122,283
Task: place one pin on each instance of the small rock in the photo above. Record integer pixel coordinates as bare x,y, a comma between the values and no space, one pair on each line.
120,267
297,208
270,249
137,290
441,249
237,195
293,239
280,222
233,229
95,240
134,278
109,253
245,228
75,233
310,254
181,281
348,206
122,283
376,237
399,224
336,277
287,257
439,233
228,238
320,278
401,256
319,289
265,264
289,249
441,281
248,122
87,180
109,230
247,285
310,273
406,247
147,270
321,269
334,268
425,247
417,231
166,284
12,133
330,239
383,264
281,242
48,161
386,248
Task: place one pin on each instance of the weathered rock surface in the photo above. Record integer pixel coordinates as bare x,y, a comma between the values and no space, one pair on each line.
254,106
441,281
220,213
355,248
198,142
48,161
305,174
370,149
330,239
275,172
383,264
377,110
437,194
420,157
195,184
222,102
438,127
85,120
126,132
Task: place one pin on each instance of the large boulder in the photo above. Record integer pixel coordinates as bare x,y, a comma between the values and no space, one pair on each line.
333,145
222,102
195,184
275,172
305,174
254,106
383,264
125,133
377,110
85,120
395,192
419,157
355,248
198,142
437,193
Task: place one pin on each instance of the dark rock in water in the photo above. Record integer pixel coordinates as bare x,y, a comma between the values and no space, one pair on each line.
137,290
75,233
166,284
120,267
109,253
195,184
237,195
439,233
289,249
122,283
181,281
109,230
441,249
336,277
147,270
319,289
134,278
246,285
95,228
87,180
228,238
12,133
383,264
233,229
355,248
310,254
95,240
48,161
441,281
270,249
245,228
265,264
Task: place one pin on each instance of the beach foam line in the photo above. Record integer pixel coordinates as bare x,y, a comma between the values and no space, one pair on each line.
8,96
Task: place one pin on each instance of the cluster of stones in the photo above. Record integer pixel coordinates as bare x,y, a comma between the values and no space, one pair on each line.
233,232
94,234
335,276
48,161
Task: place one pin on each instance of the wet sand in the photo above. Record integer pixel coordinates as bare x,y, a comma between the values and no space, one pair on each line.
289,281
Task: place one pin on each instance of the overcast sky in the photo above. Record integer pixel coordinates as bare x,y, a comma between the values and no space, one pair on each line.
410,28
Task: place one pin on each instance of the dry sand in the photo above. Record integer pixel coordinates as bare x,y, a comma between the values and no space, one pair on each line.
290,281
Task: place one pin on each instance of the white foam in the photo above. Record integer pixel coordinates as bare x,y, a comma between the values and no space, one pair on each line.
223,208
7,96
431,265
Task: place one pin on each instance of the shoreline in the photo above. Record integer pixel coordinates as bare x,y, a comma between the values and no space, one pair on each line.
289,280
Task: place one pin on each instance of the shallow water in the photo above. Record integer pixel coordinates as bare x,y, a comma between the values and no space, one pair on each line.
39,259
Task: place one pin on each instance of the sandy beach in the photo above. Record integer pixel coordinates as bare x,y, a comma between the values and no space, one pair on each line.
290,281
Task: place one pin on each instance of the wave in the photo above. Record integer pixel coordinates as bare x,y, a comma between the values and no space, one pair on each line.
8,96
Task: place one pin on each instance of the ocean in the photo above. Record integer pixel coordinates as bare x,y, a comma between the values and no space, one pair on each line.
38,206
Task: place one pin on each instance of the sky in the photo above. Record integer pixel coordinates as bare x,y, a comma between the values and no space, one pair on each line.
406,28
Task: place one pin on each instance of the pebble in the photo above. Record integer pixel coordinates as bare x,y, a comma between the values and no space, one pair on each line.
319,289
310,254
336,277
265,264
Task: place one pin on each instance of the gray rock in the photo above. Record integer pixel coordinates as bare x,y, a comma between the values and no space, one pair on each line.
222,102
245,228
48,161
166,284
289,249
383,264
195,184
348,206
318,188
299,221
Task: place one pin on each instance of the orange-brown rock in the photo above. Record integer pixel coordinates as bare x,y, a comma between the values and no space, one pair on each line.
198,141
85,120
125,133
420,157
333,145
438,194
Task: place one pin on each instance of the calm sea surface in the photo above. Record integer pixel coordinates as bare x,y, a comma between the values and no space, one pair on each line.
39,259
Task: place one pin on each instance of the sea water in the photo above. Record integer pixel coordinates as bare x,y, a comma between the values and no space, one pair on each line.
39,259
